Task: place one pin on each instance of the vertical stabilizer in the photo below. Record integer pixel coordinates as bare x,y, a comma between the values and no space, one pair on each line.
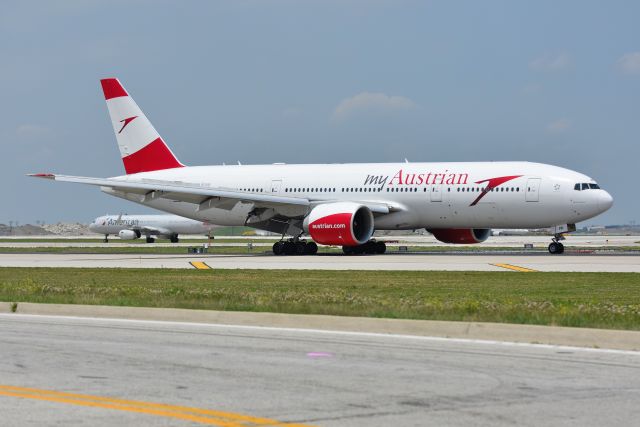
141,147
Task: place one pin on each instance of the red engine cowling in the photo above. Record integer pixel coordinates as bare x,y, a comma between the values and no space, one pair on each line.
341,223
461,235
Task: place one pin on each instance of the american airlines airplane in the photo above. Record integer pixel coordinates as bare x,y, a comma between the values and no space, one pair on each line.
130,227
343,204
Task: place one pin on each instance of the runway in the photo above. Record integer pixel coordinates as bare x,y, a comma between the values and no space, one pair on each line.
539,242
151,371
420,262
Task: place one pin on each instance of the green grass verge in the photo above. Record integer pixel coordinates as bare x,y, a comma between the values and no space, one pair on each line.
599,300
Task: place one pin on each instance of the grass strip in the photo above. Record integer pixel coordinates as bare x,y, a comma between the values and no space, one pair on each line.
598,300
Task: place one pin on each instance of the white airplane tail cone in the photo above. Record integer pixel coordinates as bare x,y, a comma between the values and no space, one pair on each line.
141,147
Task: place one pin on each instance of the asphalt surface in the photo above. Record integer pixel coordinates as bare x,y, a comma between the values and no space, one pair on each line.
541,242
419,262
307,377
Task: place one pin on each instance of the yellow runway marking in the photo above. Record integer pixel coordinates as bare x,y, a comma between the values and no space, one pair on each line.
202,416
200,265
515,268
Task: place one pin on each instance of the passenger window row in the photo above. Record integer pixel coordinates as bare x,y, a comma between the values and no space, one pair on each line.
309,190
398,189
492,190
251,190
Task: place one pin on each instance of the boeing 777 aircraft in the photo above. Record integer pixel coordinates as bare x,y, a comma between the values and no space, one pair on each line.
343,204
130,227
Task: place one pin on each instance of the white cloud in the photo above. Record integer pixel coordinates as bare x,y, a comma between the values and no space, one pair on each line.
629,63
368,101
548,62
559,125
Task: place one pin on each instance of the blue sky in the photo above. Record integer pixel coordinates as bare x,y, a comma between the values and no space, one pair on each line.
318,81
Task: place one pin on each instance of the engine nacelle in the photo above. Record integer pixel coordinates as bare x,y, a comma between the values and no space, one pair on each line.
129,234
463,236
340,223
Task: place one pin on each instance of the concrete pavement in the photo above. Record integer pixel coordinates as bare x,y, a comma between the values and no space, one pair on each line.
301,376
415,262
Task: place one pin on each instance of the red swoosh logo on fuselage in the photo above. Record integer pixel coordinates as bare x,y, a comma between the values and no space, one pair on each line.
126,122
491,184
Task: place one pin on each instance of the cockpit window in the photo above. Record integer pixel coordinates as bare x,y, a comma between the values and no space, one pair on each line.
586,186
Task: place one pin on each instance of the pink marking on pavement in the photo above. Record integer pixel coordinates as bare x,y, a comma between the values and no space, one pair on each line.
316,354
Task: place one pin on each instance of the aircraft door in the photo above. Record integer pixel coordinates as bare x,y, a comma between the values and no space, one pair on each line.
532,192
276,184
436,192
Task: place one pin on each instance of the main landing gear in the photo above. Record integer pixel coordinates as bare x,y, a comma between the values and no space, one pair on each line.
371,247
300,247
291,247
150,239
555,247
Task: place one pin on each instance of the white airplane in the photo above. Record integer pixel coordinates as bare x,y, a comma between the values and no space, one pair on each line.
343,204
129,227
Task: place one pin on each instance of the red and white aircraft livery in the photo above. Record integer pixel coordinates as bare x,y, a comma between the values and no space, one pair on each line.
343,204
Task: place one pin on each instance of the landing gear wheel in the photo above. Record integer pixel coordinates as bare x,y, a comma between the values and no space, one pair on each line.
300,248
106,238
289,248
370,247
278,248
556,248
311,248
150,239
174,239
348,250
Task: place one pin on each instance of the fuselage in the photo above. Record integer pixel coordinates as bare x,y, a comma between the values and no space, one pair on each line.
425,195
164,224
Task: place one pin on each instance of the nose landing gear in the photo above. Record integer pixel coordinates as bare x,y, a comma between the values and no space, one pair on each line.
555,247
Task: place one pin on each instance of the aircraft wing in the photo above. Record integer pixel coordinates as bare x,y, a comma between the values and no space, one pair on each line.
204,196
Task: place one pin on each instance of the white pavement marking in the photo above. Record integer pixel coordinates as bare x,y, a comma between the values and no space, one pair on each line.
304,331
420,262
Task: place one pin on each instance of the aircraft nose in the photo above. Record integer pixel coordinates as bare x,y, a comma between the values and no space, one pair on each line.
605,201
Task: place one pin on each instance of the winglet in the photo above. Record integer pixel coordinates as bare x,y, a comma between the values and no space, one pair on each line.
42,175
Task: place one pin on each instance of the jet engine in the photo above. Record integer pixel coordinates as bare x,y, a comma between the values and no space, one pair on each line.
340,223
461,235
129,234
